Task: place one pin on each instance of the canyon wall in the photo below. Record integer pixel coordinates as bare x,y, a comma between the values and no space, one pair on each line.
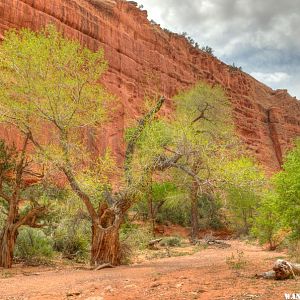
143,58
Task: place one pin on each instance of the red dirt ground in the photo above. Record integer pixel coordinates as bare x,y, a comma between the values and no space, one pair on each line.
204,275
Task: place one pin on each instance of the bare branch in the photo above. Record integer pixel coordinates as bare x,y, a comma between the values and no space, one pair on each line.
137,133
202,113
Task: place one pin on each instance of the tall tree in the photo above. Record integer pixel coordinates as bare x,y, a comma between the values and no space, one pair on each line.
200,134
51,84
204,135
287,188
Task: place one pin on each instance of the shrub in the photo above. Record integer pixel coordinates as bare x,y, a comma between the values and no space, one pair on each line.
208,50
172,241
135,237
294,250
234,68
209,212
267,222
72,238
236,261
244,189
33,245
287,185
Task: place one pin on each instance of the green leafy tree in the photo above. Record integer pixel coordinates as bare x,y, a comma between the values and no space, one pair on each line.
244,185
198,138
203,134
50,83
287,185
267,221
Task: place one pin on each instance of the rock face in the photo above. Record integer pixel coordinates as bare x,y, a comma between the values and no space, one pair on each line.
143,58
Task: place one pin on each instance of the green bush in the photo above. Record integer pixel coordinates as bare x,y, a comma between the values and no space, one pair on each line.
135,237
72,239
237,261
287,185
33,245
209,208
172,241
267,222
175,213
208,50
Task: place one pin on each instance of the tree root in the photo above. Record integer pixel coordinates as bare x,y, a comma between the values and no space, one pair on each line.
103,266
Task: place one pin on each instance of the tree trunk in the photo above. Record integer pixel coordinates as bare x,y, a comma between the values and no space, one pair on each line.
7,244
105,246
194,216
151,215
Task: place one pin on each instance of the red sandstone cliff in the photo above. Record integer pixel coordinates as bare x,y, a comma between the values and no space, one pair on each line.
142,56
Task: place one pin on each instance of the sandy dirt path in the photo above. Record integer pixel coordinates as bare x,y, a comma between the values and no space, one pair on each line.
204,275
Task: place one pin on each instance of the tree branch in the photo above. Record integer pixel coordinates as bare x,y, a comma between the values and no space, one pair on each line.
81,194
30,218
202,113
137,133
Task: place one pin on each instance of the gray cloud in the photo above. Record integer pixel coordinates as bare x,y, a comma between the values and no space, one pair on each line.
261,36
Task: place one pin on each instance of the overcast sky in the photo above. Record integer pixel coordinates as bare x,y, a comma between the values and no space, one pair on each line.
261,36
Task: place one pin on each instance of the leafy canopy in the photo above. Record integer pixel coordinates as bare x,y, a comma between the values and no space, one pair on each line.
287,185
48,80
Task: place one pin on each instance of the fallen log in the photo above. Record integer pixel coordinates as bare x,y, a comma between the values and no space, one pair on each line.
282,269
212,242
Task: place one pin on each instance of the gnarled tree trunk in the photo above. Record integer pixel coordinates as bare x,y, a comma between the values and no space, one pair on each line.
7,243
105,246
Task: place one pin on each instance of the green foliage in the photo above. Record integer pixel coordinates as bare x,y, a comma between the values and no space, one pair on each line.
160,193
287,185
244,185
72,238
203,128
70,228
171,241
7,158
236,261
208,50
234,68
48,80
154,137
33,245
96,179
210,216
136,236
201,131
267,222
176,209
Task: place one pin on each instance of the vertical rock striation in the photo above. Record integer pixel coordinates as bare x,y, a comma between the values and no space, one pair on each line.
145,59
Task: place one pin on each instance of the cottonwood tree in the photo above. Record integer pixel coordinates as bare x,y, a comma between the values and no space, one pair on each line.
200,134
287,190
244,185
50,85
50,92
16,176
